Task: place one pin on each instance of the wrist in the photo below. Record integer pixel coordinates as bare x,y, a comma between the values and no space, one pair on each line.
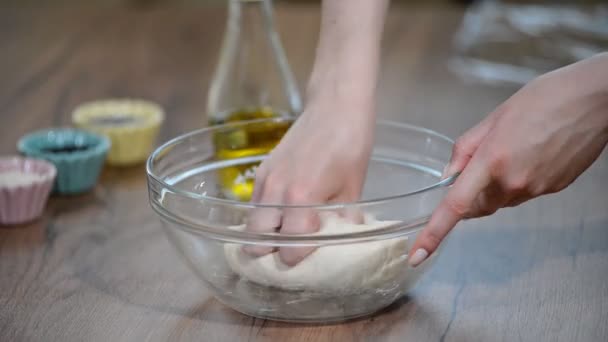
592,79
341,91
585,86
343,85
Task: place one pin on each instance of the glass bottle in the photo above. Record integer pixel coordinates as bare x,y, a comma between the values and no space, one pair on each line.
252,81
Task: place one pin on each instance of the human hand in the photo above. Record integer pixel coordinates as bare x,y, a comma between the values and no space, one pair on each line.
537,142
321,159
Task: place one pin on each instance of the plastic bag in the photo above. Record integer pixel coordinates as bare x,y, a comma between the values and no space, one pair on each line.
500,43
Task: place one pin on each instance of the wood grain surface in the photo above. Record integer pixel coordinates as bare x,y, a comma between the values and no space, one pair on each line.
97,267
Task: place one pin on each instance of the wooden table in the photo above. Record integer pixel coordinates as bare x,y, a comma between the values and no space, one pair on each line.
97,267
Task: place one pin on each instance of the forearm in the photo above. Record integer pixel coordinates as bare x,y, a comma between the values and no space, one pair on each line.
348,52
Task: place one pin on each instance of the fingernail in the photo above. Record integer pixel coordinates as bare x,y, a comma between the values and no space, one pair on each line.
418,257
444,175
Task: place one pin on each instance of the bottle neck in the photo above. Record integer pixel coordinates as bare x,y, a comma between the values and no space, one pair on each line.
251,15
253,22
253,69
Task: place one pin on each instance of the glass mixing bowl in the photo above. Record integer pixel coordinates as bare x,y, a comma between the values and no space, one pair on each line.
353,273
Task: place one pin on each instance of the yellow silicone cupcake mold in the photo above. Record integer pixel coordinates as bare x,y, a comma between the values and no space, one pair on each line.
132,126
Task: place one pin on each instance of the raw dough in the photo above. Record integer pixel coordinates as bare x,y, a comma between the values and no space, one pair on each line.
341,268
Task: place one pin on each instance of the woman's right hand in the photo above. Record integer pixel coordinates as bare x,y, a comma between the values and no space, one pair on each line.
322,159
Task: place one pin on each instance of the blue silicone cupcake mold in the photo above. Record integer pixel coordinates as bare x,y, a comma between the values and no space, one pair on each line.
77,155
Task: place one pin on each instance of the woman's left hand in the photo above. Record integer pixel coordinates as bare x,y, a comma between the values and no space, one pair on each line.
537,142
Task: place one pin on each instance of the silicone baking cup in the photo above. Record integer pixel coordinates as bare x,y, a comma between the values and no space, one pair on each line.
25,185
132,126
78,156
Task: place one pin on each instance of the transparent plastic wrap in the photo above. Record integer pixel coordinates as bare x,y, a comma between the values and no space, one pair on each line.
503,43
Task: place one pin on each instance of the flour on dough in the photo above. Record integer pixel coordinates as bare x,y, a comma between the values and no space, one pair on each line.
339,268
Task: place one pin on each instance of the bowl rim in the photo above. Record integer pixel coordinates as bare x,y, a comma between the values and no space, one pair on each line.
274,239
216,232
443,182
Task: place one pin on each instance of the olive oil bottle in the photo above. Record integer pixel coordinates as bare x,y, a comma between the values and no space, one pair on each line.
252,81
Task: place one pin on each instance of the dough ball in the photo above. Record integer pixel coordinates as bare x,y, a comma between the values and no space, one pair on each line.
336,268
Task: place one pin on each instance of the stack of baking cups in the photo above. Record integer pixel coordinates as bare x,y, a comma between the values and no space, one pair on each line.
121,132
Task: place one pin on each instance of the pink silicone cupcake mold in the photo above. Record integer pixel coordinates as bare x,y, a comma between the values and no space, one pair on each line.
25,185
